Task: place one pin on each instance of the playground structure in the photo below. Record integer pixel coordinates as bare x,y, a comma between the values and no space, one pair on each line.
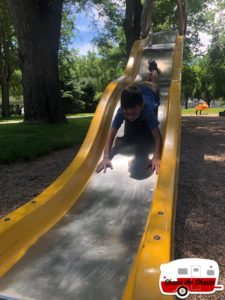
57,251
200,107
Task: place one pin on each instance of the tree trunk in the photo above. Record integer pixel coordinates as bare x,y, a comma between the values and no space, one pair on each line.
5,98
37,24
146,18
4,76
132,22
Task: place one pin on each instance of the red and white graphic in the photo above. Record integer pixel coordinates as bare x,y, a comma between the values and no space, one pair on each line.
187,276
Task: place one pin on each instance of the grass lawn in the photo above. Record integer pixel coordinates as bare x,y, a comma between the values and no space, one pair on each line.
80,115
25,142
209,111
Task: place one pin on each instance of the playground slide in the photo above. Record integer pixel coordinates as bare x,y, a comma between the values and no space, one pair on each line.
88,254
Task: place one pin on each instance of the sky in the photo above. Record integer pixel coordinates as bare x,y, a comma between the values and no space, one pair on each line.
84,34
205,40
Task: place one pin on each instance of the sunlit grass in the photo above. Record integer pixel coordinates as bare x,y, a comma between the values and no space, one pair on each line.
25,142
209,111
20,118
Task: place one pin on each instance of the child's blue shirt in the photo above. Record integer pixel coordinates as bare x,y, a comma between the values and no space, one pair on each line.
151,102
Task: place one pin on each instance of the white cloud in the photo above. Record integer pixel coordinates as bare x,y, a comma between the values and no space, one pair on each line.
83,28
205,40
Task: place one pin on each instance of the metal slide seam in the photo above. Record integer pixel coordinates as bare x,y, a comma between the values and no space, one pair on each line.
21,229
156,246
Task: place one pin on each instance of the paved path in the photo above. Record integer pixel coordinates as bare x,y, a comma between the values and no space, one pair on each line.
200,222
68,117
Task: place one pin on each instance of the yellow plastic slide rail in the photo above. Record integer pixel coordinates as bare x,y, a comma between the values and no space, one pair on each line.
21,228
157,242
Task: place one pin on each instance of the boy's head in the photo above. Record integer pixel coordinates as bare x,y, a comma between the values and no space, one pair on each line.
131,102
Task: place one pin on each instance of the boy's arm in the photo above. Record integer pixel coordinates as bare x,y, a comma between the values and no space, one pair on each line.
106,162
158,150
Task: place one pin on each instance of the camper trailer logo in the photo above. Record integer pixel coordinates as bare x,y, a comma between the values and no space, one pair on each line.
187,276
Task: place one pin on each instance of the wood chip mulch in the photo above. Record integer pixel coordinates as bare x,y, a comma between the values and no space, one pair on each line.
20,182
200,219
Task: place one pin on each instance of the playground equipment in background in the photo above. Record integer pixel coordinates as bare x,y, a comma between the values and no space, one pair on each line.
201,106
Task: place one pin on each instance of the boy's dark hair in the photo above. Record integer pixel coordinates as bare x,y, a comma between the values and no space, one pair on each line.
152,65
131,96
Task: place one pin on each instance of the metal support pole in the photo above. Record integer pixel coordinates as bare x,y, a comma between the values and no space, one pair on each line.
182,18
146,18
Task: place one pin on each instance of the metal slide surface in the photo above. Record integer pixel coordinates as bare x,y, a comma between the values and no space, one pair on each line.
88,254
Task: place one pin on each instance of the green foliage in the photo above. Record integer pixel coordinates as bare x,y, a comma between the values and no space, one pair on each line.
164,18
216,52
66,36
216,65
33,140
67,30
112,57
112,12
83,79
79,96
16,85
78,85
206,86
197,80
87,77
195,6
203,77
188,82
9,61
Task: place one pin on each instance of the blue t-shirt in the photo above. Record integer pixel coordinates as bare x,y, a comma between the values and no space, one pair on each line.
151,102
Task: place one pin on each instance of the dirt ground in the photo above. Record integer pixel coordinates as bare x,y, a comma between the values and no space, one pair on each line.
22,181
200,221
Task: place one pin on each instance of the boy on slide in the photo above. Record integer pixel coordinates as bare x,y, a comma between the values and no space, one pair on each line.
138,109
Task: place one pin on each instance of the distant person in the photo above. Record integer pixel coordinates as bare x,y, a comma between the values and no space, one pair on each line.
138,111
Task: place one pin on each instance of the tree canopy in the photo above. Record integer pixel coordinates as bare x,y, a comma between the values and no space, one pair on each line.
205,68
51,27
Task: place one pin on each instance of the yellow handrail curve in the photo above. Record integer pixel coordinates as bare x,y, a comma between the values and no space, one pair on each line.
157,242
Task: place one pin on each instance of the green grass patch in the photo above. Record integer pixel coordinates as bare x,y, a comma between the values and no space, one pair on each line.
25,142
209,111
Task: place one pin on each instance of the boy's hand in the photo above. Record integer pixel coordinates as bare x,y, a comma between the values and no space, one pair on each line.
104,164
155,165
